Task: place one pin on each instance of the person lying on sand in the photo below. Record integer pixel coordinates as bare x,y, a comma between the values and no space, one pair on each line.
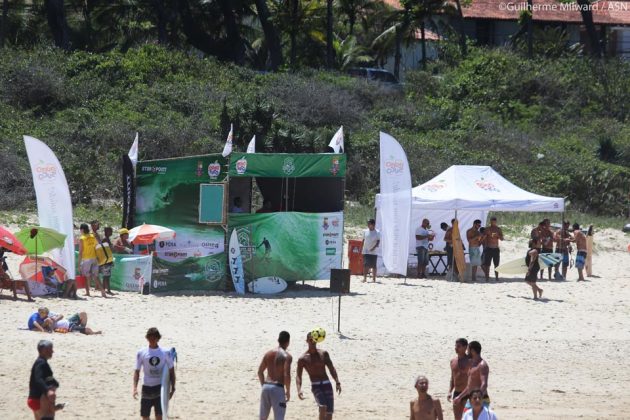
75,323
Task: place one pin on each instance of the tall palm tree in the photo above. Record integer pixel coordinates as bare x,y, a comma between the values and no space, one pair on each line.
329,34
405,22
271,35
354,10
56,15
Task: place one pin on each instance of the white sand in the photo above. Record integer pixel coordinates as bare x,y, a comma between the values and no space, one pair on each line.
565,357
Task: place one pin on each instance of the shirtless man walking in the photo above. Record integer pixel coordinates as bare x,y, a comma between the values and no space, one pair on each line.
276,387
547,237
475,239
425,407
477,376
460,366
315,362
580,244
491,252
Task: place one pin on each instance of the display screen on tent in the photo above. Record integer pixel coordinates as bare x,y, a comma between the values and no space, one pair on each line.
211,198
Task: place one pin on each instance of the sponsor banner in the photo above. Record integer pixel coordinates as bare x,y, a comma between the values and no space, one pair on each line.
287,165
203,273
190,245
167,194
129,192
395,210
131,272
291,245
54,206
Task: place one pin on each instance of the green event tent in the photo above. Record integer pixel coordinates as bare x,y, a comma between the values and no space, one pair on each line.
298,234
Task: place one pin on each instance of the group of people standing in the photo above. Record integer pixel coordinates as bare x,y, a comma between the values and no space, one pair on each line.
276,383
542,241
468,389
96,255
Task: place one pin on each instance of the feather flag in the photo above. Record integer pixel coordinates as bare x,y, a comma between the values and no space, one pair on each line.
337,141
227,149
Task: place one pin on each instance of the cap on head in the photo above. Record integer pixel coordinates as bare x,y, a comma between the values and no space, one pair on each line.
371,222
123,231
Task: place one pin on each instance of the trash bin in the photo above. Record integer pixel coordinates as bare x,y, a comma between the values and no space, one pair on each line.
355,256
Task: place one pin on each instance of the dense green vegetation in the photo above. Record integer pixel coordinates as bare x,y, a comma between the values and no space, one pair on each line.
555,126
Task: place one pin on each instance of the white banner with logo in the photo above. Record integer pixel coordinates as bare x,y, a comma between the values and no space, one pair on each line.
54,206
395,209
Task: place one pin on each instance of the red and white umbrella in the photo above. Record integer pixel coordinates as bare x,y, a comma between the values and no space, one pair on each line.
147,234
10,242
31,269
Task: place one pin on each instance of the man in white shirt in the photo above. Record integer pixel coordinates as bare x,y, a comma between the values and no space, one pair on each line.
423,236
371,241
153,360
478,410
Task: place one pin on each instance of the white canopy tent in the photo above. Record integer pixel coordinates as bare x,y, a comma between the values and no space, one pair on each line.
468,193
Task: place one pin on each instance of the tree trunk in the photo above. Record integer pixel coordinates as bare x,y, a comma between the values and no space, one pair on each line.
56,15
196,36
234,40
293,34
462,35
160,13
423,43
530,29
329,34
3,24
587,18
271,36
397,53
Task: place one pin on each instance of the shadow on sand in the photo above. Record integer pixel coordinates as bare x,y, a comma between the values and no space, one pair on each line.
541,300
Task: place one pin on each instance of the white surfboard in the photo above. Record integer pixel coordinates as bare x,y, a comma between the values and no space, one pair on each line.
166,387
166,384
518,266
236,264
267,285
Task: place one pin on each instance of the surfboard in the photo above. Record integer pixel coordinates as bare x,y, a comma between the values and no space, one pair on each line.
458,252
236,264
518,266
166,386
267,285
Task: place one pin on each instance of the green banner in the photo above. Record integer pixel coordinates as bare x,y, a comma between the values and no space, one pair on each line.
169,194
287,165
293,246
130,272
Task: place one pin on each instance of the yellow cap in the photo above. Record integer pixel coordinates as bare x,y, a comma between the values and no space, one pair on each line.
123,231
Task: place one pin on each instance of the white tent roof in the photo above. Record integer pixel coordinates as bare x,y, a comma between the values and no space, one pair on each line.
479,188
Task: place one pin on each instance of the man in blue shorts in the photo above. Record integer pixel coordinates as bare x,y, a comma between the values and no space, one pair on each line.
315,362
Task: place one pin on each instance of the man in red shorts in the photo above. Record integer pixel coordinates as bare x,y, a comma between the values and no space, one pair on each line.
43,385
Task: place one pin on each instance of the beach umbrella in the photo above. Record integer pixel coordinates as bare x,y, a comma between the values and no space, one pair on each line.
10,242
147,234
31,268
38,239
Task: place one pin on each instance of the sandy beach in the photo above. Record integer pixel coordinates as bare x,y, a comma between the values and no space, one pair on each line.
559,358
